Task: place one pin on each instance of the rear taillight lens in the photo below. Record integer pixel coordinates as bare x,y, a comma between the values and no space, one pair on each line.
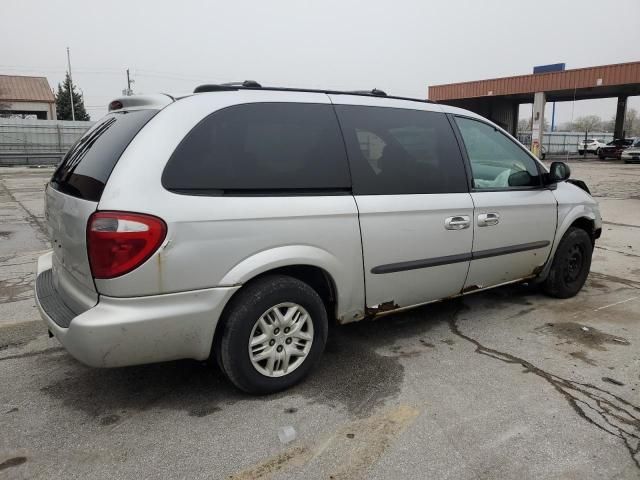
119,242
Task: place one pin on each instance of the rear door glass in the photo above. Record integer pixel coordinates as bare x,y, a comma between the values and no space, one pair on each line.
401,151
86,167
279,148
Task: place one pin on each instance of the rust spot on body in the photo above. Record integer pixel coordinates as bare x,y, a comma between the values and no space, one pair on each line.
471,288
383,308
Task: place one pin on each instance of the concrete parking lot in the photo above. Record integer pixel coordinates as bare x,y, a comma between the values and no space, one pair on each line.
501,384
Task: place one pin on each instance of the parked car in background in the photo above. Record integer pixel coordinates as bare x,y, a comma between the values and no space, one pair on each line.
591,145
237,222
632,154
614,148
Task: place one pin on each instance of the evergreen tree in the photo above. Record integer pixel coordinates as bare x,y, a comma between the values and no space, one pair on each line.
63,104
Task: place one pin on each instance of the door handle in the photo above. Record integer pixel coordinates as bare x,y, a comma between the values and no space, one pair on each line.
488,219
459,222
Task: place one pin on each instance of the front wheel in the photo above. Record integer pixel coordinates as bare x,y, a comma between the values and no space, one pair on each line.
274,332
571,264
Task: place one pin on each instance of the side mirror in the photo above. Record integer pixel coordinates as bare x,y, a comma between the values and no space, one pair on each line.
559,172
520,179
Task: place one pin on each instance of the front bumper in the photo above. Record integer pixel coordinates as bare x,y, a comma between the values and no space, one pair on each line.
118,332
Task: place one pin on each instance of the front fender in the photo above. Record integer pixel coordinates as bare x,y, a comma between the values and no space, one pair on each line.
573,204
570,215
349,284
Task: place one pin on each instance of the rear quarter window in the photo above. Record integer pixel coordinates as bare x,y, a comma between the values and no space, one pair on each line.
275,148
86,167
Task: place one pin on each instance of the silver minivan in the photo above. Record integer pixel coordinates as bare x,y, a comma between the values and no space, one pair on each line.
239,221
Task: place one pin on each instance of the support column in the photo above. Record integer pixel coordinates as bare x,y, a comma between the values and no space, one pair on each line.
537,125
515,111
621,112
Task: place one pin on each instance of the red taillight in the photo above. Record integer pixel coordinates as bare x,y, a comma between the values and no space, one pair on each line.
119,242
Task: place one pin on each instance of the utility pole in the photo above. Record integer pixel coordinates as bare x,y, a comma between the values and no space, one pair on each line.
73,113
128,91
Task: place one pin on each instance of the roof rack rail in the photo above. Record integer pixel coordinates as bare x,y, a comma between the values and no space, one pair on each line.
253,85
226,86
375,92
245,83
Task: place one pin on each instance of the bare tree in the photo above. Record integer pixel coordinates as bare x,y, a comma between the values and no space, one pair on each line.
631,123
588,123
524,125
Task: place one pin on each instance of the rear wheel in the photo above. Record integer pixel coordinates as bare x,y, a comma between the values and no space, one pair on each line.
571,264
274,332
601,156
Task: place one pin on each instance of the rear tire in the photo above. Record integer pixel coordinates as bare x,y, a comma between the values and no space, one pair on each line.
571,264
601,157
280,318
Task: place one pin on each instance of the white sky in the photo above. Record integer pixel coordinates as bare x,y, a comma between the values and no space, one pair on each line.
400,46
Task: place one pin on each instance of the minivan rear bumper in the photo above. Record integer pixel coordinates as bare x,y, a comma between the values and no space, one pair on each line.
117,332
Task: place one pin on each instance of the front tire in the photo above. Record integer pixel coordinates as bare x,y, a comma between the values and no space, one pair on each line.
571,264
274,332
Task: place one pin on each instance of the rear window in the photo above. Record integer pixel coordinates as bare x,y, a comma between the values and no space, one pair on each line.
280,148
86,167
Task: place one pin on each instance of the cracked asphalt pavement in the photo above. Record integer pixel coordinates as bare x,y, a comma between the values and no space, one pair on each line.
501,384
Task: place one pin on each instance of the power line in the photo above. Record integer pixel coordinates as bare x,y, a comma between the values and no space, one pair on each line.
115,71
54,69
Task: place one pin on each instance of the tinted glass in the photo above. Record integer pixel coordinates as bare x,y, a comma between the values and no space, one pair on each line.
86,167
497,162
399,151
280,147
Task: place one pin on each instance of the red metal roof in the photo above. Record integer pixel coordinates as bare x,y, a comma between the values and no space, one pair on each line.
590,77
14,88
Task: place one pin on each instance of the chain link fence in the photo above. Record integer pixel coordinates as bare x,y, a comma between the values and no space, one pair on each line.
41,142
560,143
28,142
